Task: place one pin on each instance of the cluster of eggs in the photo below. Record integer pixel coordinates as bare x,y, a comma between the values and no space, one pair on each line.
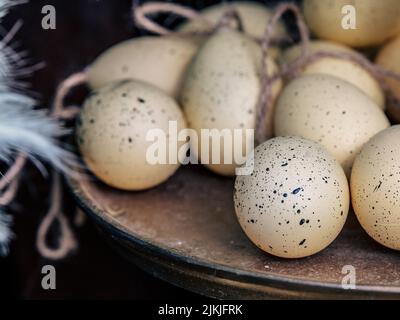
329,123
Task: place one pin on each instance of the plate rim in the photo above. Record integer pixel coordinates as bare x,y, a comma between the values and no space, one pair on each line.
231,273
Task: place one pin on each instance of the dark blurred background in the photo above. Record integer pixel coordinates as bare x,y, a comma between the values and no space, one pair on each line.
85,28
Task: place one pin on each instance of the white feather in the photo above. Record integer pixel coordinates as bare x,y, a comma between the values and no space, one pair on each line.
14,65
6,235
5,5
24,129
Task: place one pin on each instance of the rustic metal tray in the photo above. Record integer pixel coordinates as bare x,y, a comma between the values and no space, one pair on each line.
185,232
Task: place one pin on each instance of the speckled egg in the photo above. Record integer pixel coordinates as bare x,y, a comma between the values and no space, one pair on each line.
330,111
388,58
161,61
112,133
296,201
375,187
375,21
221,92
343,69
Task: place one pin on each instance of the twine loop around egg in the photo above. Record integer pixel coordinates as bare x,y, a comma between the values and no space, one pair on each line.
141,19
264,105
293,69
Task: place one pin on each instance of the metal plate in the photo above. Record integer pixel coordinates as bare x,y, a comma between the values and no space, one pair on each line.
186,233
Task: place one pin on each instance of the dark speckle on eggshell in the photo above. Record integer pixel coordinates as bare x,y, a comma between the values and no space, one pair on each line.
330,111
112,129
375,186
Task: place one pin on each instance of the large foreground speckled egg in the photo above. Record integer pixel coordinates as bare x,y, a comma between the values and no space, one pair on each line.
112,134
296,201
375,187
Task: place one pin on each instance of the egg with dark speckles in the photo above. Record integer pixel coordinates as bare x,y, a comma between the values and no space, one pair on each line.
112,134
388,58
161,61
340,68
330,111
296,201
221,92
375,187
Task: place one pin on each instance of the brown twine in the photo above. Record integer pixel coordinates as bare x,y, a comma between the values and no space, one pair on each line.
225,20
9,194
13,172
67,241
392,100
9,182
140,14
265,102
59,110
293,69
355,57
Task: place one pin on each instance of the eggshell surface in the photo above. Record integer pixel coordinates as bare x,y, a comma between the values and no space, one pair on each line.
374,21
331,112
340,68
112,134
297,199
388,58
221,92
161,61
375,187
